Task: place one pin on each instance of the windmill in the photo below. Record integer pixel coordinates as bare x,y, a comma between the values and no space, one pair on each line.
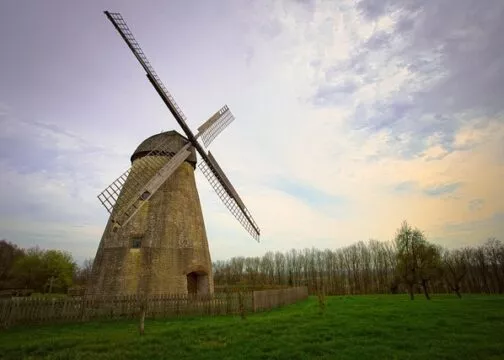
155,240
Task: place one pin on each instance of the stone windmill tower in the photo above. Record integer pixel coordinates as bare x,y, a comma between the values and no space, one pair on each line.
155,240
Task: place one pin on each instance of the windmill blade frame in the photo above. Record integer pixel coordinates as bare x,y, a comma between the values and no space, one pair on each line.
230,198
215,125
154,160
108,197
125,32
226,181
125,214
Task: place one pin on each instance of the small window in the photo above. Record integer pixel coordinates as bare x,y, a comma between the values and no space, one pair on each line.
145,195
136,243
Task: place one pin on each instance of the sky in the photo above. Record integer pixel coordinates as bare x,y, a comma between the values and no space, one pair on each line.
351,116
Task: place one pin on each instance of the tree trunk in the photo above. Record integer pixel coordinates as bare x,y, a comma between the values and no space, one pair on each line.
426,292
457,291
51,284
411,293
141,326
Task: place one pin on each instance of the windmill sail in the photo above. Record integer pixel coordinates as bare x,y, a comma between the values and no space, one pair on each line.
214,126
226,181
228,195
127,35
149,174
109,196
125,213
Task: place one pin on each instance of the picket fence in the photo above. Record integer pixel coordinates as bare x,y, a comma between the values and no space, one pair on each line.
268,299
28,310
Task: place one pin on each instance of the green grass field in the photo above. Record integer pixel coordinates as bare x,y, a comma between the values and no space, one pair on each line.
357,327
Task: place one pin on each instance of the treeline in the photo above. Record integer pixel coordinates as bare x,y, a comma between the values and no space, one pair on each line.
39,271
408,263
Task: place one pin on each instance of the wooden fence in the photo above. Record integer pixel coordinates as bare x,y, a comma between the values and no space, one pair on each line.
268,299
26,311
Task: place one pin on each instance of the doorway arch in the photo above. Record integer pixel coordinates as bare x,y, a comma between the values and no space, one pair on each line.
197,283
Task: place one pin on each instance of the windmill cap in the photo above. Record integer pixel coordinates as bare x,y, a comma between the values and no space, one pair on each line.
172,142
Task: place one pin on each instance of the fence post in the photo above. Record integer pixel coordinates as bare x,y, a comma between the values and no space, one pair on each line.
10,319
209,305
241,306
228,303
143,307
82,309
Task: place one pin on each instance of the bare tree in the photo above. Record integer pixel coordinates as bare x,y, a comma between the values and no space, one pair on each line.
456,266
280,267
374,267
494,252
268,267
408,241
429,265
83,273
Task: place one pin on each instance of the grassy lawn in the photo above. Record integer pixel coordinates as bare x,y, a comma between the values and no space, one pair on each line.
357,327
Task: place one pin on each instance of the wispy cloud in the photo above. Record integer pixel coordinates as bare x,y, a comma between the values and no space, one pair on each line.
50,178
405,187
485,227
442,189
306,193
417,75
476,204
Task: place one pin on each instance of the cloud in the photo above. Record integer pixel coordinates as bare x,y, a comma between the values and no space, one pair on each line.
335,94
50,179
427,78
476,204
80,240
405,187
438,190
306,193
462,233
